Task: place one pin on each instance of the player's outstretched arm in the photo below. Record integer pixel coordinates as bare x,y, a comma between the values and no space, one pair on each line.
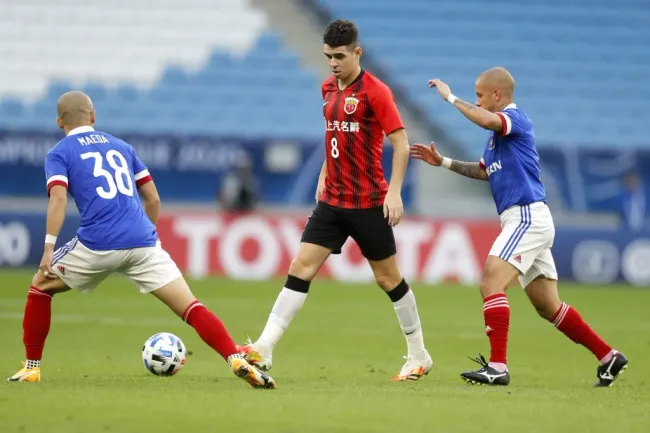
55,217
469,169
430,155
150,201
480,116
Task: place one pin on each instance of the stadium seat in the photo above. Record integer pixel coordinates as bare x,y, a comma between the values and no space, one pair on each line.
209,67
572,76
582,86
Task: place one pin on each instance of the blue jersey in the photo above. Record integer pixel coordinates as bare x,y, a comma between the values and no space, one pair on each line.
102,174
512,163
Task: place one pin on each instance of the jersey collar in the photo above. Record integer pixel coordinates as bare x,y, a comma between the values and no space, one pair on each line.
511,105
81,130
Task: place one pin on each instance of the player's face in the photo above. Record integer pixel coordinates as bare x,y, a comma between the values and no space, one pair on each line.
342,60
487,96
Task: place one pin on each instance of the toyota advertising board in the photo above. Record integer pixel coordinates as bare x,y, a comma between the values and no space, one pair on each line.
260,246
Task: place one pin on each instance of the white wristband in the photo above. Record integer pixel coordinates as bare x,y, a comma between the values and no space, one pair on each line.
446,162
451,98
50,239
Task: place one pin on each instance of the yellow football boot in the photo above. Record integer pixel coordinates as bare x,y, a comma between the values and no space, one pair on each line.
26,375
255,377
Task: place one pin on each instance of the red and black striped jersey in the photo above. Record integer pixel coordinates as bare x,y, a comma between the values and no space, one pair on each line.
356,121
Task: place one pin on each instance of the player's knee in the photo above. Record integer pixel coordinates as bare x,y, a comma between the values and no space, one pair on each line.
36,280
496,277
51,286
176,295
545,311
490,284
40,282
388,281
303,269
387,274
547,307
542,293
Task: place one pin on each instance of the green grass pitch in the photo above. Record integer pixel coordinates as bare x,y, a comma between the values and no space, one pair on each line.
333,367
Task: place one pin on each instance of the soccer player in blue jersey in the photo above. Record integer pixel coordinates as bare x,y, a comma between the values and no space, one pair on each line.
523,249
117,234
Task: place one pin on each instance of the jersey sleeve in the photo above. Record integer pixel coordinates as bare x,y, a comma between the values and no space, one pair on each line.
140,172
512,122
385,109
56,170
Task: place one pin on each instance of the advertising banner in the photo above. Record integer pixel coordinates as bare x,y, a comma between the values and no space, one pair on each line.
260,246
190,168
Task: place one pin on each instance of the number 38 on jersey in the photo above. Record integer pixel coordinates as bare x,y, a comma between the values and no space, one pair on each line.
119,180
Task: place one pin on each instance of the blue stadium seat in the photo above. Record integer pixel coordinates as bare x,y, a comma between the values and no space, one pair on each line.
257,95
11,108
581,66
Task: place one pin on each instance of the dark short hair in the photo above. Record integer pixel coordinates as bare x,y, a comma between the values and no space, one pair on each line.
341,33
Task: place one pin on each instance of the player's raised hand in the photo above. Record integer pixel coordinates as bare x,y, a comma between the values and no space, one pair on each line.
442,88
393,208
46,263
428,154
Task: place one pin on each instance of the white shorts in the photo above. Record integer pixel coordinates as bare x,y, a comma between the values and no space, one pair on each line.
527,234
83,269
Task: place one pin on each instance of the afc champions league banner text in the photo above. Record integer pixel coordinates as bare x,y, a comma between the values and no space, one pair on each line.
191,168
260,246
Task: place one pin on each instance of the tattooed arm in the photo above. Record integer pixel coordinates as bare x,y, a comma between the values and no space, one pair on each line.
469,169
483,118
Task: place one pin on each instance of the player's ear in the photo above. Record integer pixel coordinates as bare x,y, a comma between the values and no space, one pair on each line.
92,118
357,52
59,123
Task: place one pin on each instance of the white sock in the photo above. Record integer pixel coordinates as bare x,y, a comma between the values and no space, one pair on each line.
285,308
498,366
409,320
33,363
234,356
607,357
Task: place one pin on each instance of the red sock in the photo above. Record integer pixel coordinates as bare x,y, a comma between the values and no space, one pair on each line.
210,329
36,322
496,313
569,321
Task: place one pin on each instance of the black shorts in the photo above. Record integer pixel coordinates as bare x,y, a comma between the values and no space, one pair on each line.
330,226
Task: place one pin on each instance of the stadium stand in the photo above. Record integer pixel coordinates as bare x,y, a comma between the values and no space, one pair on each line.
229,76
232,75
571,74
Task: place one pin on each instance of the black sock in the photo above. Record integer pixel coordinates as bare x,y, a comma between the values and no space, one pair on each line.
296,284
398,292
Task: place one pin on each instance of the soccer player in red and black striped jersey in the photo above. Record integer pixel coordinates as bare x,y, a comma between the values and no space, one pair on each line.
353,198
356,119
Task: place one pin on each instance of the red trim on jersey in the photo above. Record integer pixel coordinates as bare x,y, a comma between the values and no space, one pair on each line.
140,182
54,183
504,124
395,130
481,164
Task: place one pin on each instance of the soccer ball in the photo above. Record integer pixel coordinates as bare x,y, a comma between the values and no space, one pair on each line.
163,354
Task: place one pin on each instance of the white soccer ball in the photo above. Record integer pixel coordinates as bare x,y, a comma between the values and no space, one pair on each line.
163,354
